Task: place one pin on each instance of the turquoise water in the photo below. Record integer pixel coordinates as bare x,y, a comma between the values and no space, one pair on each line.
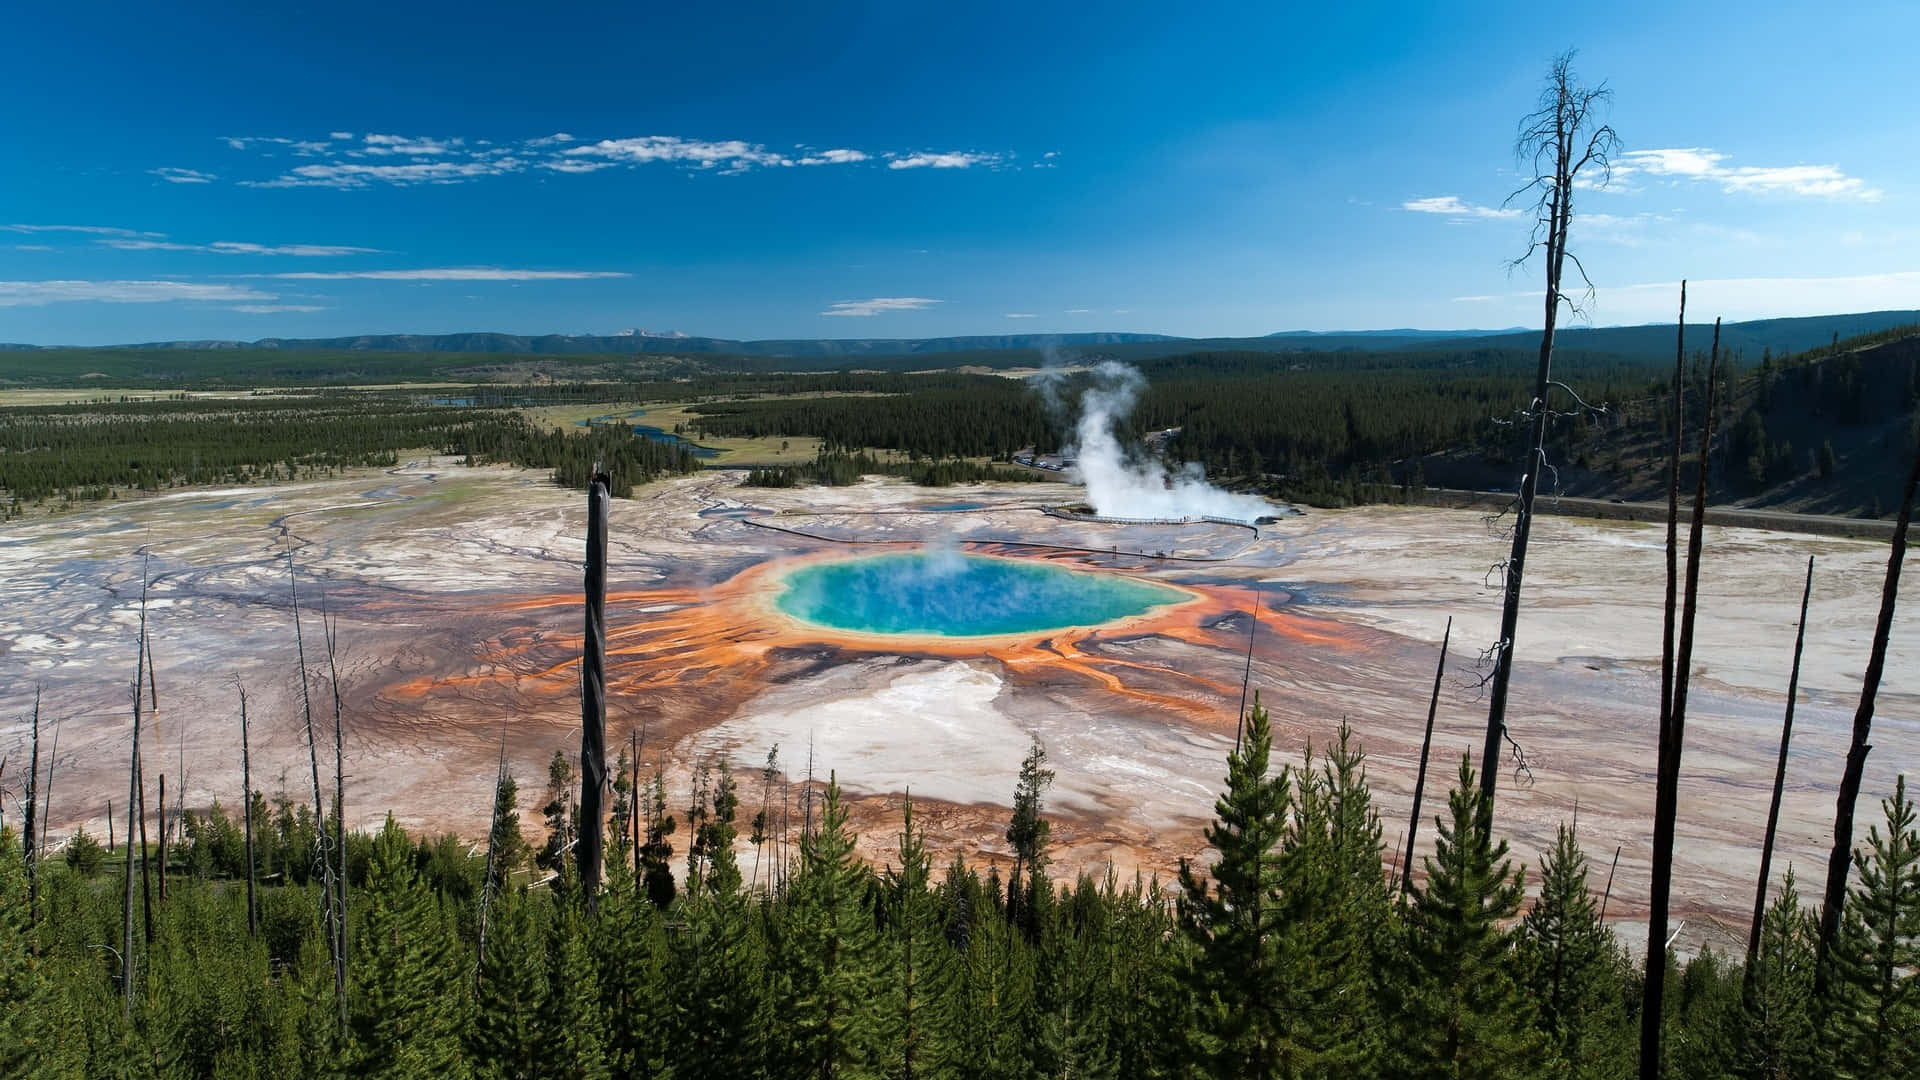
954,595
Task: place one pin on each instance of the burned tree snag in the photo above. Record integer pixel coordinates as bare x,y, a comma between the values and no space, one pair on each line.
593,692
1426,746
1666,798
1839,860
1557,141
1779,785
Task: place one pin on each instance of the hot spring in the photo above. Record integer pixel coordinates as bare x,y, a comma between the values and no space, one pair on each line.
948,594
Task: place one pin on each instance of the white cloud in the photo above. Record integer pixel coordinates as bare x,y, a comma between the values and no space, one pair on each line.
879,304
183,176
1453,207
39,293
1079,311
405,146
234,247
1698,163
573,165
275,309
91,230
355,163
955,159
447,273
33,247
342,174
1020,315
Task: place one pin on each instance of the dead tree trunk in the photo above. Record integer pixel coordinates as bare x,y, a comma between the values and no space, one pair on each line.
32,799
330,629
1666,798
321,839
246,793
133,788
634,813
1558,141
1608,894
1426,747
593,693
163,834
53,760
487,878
1779,786
1838,861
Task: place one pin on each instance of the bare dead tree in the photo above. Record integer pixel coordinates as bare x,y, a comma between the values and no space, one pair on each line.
1839,860
330,627
1779,786
1608,894
1673,513
1666,799
321,841
1558,141
1246,676
593,693
487,878
163,834
32,798
638,746
246,802
133,786
53,759
1426,747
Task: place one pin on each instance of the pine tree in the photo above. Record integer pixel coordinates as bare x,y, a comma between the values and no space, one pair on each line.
835,960
508,845
25,1013
1464,1013
1335,908
1570,966
1235,921
572,1027
1777,1035
717,987
921,1042
1873,1022
558,812
408,1001
504,1041
656,855
1027,832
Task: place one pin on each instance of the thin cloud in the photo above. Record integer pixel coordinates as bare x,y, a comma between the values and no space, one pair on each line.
447,273
1701,164
956,159
1020,315
91,230
275,309
1452,206
1079,311
233,247
183,176
349,162
878,305
41,293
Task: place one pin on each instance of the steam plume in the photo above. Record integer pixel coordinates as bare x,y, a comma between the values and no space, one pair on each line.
1143,488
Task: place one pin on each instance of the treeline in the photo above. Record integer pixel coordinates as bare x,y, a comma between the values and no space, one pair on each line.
839,469
778,953
93,451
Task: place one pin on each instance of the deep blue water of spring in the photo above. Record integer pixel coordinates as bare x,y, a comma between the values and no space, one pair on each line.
954,595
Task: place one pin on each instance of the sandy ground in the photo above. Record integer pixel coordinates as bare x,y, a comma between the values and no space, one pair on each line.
456,598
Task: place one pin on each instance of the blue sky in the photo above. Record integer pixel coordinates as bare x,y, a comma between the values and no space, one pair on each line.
201,170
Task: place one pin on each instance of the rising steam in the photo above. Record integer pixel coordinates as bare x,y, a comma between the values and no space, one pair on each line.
1119,486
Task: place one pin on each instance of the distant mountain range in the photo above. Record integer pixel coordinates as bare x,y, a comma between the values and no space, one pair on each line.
637,342
1638,342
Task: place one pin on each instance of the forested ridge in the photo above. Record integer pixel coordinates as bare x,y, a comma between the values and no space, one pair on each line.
745,939
92,451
